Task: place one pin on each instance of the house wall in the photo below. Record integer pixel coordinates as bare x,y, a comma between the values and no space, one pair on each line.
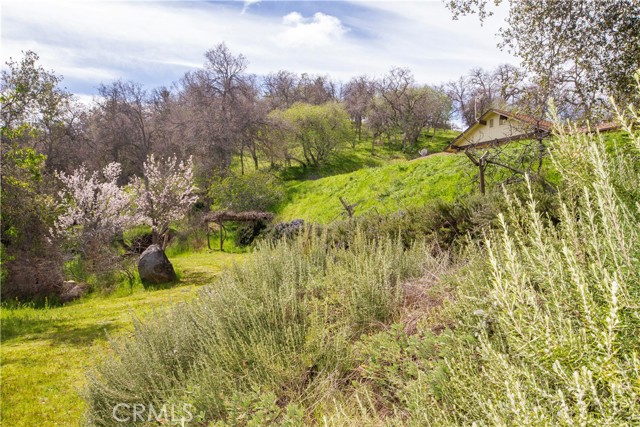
484,133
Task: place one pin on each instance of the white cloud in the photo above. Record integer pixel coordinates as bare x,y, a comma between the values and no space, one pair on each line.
155,42
247,5
318,30
422,36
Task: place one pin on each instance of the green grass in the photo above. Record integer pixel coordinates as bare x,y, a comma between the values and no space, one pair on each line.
350,159
45,351
386,181
383,189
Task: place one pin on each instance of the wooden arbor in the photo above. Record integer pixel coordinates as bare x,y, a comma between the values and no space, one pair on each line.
220,217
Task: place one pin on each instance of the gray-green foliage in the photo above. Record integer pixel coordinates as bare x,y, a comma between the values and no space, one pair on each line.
547,331
578,50
278,325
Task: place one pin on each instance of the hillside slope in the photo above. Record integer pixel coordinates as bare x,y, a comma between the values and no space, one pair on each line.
383,189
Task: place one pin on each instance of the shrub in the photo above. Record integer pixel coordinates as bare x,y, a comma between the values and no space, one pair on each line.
256,191
440,222
248,232
31,263
284,230
281,323
551,309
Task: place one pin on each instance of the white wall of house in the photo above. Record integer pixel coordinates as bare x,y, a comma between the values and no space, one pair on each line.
495,128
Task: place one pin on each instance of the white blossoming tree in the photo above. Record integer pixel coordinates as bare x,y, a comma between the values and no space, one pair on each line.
164,194
94,208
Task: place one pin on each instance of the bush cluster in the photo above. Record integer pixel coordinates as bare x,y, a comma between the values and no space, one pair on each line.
281,324
535,324
255,191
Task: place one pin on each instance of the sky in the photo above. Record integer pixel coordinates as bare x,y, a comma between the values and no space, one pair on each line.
153,42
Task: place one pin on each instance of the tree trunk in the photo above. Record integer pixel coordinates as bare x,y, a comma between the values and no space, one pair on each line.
254,155
242,160
373,143
481,166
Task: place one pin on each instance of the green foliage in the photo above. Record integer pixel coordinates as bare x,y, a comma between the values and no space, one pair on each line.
281,322
247,233
390,365
442,223
50,346
314,132
360,157
31,100
386,189
562,44
31,263
21,180
256,409
551,307
254,191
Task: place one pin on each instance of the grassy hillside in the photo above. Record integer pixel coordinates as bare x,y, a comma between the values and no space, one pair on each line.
383,189
349,159
532,324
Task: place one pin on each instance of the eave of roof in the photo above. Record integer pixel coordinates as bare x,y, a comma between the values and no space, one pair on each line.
543,125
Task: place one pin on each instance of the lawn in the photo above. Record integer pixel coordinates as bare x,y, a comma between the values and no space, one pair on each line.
45,351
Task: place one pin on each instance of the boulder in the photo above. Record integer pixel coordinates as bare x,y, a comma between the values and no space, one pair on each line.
71,290
154,266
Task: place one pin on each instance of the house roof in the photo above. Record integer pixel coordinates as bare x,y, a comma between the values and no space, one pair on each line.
537,124
604,127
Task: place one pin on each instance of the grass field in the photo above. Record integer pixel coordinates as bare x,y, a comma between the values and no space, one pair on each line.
350,159
383,189
45,351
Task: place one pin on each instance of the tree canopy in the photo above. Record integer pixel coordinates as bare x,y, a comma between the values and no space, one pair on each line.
588,50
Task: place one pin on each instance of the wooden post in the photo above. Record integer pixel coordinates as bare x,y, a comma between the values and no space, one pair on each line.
349,209
221,236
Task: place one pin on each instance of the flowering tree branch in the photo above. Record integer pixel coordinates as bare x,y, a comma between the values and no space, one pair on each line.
164,194
93,208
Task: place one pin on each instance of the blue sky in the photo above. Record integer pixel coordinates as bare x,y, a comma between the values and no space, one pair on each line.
155,42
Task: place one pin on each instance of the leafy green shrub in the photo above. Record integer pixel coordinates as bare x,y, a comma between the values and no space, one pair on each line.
31,264
442,223
255,191
248,232
391,359
257,409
